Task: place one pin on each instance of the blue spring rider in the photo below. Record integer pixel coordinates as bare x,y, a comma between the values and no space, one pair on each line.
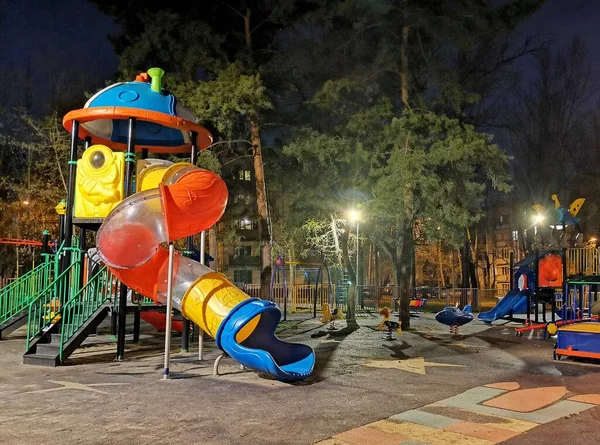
453,317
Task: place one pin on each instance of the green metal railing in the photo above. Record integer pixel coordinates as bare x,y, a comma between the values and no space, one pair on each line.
140,300
17,296
102,287
45,308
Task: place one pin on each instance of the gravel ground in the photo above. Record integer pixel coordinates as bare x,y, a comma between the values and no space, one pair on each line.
94,400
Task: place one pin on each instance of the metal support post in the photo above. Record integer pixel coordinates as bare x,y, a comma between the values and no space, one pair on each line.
185,331
129,166
68,224
169,310
200,331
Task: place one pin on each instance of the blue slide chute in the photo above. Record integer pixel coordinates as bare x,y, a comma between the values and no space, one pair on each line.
262,351
514,302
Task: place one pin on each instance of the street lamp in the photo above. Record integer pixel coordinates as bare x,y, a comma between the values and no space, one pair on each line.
354,216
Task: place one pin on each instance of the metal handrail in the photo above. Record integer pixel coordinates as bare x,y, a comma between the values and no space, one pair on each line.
45,308
102,287
16,297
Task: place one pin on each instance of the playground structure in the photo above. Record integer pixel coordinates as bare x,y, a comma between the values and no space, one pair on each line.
577,331
65,299
535,279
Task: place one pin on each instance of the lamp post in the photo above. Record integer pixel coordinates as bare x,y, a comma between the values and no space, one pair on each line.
354,216
537,220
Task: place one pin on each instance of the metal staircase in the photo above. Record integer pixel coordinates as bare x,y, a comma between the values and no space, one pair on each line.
79,316
17,296
65,312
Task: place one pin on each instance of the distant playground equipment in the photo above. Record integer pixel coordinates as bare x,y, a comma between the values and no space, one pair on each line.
15,293
169,201
417,305
577,332
278,277
559,219
389,324
329,316
453,317
535,280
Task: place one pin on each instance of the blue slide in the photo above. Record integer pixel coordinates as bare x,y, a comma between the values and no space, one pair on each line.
262,350
515,301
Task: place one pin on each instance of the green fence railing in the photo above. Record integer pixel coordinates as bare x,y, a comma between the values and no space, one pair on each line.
16,297
99,289
45,308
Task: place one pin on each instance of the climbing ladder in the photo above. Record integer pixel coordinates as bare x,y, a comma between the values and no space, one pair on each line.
16,297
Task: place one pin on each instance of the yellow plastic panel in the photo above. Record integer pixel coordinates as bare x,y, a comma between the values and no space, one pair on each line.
150,173
576,206
99,182
152,178
210,299
247,330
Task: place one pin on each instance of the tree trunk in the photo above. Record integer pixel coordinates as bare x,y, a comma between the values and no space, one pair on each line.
403,272
453,269
469,275
336,241
264,235
441,265
377,266
464,256
404,69
248,31
351,305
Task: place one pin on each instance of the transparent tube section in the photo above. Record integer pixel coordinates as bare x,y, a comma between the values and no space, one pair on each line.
133,231
131,236
186,272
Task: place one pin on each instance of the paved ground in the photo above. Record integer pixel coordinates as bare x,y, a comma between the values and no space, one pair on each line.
426,387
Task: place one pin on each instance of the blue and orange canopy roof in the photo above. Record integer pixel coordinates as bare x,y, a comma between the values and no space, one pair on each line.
163,125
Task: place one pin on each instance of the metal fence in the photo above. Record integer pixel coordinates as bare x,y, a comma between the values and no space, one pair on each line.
6,281
371,299
300,297
582,261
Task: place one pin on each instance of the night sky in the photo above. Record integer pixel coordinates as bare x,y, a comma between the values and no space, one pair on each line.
67,38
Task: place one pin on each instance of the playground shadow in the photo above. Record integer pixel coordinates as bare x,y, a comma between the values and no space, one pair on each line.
325,351
396,350
452,342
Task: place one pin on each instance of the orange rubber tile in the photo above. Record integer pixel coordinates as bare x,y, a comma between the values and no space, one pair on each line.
527,400
509,386
369,436
593,399
485,432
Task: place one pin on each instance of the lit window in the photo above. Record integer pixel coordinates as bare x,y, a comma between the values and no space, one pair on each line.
244,175
245,224
515,235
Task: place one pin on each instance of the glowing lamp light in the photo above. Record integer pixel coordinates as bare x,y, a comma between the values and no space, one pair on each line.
538,219
354,215
26,202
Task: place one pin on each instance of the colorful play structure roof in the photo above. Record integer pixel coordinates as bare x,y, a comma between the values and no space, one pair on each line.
162,123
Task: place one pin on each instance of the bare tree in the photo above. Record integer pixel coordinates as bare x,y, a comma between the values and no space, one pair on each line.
546,134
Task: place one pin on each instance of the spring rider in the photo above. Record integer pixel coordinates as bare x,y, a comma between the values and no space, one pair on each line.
390,325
